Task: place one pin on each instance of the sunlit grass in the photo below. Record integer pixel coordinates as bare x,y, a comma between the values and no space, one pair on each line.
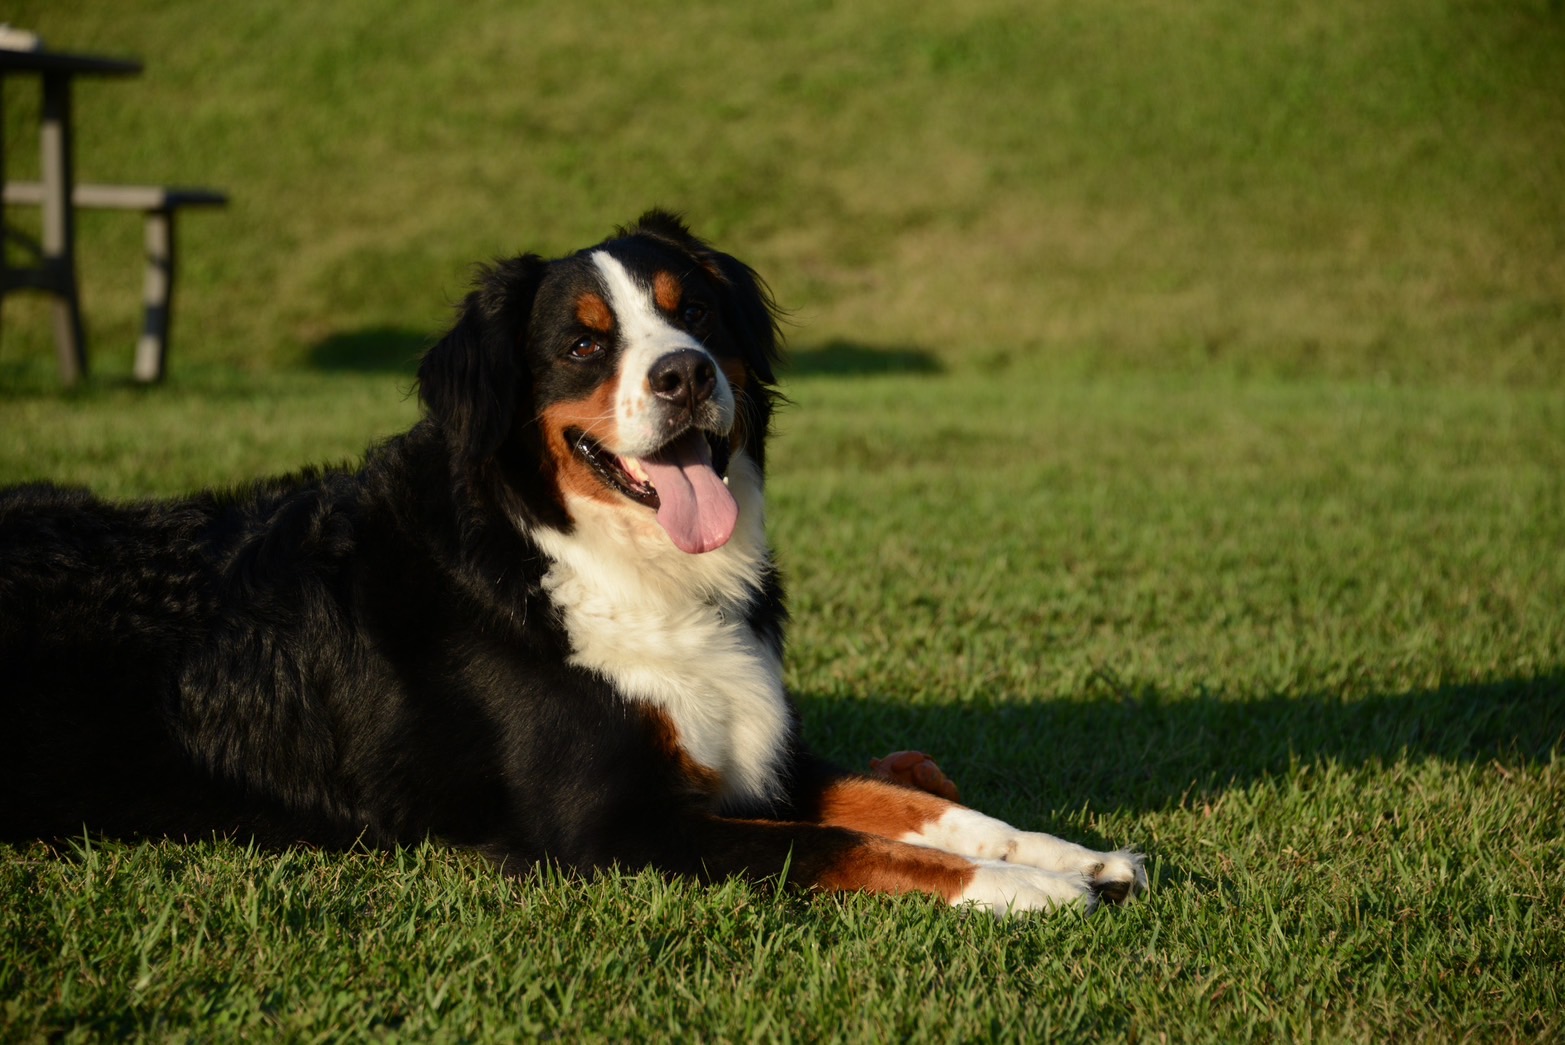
1299,642
1174,451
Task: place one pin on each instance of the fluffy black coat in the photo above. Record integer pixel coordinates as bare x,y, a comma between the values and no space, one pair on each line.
343,656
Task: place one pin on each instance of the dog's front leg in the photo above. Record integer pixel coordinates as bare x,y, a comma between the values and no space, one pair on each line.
838,859
911,816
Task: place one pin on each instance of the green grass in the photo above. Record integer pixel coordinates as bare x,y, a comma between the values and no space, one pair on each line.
1300,641
1344,189
1382,922
1175,452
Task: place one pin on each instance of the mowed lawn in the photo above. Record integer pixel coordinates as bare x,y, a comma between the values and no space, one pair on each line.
1175,450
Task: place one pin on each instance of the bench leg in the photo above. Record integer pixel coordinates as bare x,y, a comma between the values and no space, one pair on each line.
59,228
157,296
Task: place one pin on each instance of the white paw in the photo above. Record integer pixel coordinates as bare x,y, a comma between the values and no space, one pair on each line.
1120,876
1115,877
1004,889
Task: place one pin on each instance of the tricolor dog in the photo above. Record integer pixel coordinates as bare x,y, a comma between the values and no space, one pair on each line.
544,624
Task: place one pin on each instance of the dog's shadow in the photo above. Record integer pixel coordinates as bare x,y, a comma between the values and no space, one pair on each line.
1146,751
372,350
839,358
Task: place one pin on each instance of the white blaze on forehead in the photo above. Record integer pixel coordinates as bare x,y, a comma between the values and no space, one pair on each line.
645,336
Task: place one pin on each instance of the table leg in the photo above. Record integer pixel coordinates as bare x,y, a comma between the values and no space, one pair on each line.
59,225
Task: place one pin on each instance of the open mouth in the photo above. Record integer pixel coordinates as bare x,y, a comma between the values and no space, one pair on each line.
682,482
629,475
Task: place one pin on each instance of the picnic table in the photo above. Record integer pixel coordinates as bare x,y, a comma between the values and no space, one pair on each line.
58,193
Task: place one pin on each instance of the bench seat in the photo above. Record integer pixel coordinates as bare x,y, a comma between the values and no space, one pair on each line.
159,204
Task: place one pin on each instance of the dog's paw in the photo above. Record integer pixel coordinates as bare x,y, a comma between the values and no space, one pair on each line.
1119,876
1005,889
1115,877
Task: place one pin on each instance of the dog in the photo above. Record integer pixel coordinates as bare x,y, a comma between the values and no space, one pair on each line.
543,624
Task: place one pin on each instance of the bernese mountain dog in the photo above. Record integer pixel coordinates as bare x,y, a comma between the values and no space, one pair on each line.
543,624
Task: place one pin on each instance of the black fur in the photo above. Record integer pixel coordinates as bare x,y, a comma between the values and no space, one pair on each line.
369,655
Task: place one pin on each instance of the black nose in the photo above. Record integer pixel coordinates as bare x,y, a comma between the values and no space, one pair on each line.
685,378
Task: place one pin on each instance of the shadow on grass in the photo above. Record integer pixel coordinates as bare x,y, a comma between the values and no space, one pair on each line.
388,350
1146,751
850,359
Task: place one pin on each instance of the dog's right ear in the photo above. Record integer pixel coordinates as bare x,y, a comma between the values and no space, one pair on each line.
472,380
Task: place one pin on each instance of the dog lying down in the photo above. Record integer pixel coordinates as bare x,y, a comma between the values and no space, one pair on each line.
544,623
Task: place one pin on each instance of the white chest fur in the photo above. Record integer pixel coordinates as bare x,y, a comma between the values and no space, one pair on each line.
668,629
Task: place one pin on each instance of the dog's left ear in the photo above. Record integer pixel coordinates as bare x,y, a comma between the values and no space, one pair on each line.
749,308
472,380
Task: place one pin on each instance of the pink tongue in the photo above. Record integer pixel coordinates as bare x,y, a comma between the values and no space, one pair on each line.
694,505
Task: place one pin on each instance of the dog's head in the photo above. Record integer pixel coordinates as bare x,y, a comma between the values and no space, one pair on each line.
632,374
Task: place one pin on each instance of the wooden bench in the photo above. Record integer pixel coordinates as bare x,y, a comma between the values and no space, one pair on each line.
159,204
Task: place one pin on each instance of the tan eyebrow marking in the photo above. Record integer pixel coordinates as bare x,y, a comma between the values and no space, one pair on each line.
594,313
667,291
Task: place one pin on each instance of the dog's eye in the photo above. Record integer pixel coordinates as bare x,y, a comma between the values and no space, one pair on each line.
694,314
585,347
